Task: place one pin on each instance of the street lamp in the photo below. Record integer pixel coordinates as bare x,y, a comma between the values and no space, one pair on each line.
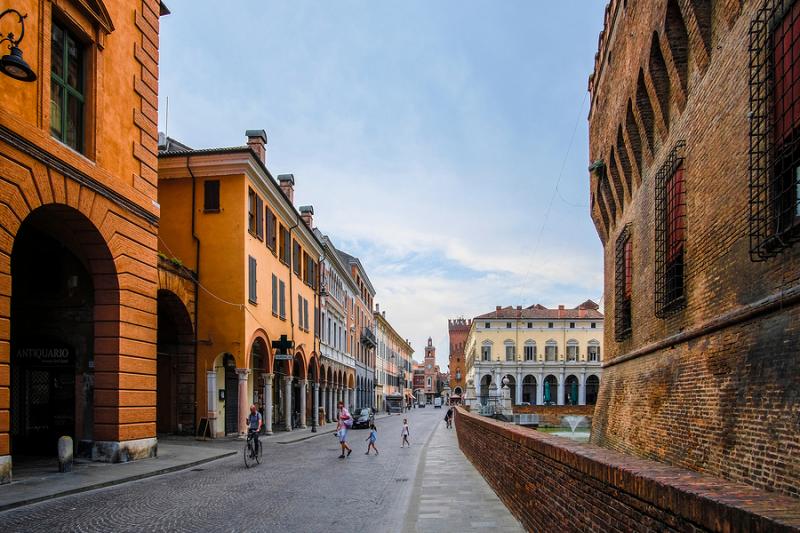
12,64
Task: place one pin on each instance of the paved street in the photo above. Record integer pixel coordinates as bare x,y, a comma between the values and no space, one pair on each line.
300,487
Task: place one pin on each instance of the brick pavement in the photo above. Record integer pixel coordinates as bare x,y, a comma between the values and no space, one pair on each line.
450,495
300,487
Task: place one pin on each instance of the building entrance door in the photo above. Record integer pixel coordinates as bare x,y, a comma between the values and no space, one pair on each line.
231,400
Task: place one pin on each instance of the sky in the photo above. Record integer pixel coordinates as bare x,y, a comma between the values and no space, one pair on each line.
444,143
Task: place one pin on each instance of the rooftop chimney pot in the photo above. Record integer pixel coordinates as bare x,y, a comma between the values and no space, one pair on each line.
307,214
286,182
257,141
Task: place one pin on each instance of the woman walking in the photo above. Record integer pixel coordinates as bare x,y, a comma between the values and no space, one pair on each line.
405,432
373,436
345,423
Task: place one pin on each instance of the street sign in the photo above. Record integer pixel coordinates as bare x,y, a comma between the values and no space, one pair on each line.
282,347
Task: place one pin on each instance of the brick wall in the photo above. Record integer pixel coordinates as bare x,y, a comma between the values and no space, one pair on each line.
551,484
713,386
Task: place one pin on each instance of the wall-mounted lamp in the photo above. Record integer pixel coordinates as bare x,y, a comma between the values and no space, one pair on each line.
12,64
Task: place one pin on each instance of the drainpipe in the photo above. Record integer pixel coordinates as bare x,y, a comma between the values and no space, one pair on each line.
196,268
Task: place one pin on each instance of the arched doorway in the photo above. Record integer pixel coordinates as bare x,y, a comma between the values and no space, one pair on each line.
592,388
313,378
175,366
61,273
259,365
550,390
280,400
231,395
512,388
571,390
298,373
486,383
529,389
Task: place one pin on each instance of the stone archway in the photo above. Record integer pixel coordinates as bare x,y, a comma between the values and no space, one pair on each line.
571,390
175,366
64,326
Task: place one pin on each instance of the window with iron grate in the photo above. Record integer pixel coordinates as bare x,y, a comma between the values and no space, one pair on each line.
774,128
671,233
623,281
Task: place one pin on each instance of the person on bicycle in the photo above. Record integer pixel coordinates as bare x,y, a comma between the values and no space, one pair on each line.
254,423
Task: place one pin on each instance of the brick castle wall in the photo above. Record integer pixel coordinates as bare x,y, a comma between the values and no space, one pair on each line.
552,484
721,397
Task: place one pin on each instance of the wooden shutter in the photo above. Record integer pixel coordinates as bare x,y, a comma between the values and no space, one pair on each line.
274,294
252,279
259,217
282,286
211,195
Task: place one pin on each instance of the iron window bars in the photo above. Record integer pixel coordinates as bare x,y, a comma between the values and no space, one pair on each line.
622,280
774,210
670,226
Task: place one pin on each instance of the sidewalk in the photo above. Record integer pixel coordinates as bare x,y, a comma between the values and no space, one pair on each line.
39,484
450,495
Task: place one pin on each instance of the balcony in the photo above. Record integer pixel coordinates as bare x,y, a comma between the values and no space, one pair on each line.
368,338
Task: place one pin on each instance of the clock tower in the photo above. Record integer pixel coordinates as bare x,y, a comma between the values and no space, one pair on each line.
431,373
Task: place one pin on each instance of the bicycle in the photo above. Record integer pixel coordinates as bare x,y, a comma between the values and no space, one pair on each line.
252,449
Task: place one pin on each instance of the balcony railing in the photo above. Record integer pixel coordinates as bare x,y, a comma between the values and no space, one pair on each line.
368,338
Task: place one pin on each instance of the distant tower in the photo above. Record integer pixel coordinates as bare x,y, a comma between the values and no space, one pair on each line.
458,329
430,371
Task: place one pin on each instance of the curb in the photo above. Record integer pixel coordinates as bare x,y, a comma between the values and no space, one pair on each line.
111,483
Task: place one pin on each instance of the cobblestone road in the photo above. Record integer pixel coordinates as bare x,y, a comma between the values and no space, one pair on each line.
300,487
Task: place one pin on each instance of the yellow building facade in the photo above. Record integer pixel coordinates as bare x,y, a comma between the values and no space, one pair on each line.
226,219
549,356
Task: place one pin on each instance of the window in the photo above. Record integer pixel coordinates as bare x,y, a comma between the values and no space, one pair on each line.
774,129
530,351
670,233
286,245
272,233
487,325
572,350
508,325
510,351
486,352
298,252
623,282
251,293
572,325
251,211
551,351
67,96
211,196
274,294
282,291
594,325
300,312
530,325
550,325
593,350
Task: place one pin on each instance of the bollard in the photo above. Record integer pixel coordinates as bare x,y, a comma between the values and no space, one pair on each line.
65,454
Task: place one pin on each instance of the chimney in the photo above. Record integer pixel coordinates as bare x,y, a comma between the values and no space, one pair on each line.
377,307
287,186
257,141
560,311
307,214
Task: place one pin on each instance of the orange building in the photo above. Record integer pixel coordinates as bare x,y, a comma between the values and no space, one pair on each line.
79,217
255,257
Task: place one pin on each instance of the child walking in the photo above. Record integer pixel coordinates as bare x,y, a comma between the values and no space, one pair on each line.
405,433
373,436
